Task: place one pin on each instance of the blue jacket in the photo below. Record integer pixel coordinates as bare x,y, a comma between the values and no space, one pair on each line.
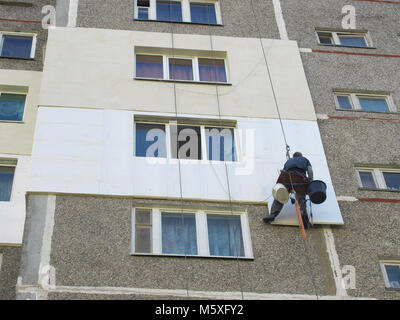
301,163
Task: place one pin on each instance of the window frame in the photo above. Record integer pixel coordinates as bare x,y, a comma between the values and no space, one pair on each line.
20,34
16,93
5,164
335,36
195,68
383,264
186,14
377,174
203,250
204,152
355,100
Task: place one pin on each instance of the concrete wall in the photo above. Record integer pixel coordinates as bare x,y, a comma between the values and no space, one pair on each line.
84,68
9,271
238,17
90,247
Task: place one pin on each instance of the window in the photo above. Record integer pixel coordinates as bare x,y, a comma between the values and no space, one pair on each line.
191,232
198,11
344,38
365,102
12,106
203,13
169,11
14,45
391,273
181,68
386,179
151,140
148,66
195,142
6,182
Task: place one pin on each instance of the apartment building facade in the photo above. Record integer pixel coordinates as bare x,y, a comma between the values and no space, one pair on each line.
118,206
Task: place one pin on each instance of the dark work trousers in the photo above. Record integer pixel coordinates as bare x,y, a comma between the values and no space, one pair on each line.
301,198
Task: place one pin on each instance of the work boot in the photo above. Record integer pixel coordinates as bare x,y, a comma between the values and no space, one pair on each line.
270,218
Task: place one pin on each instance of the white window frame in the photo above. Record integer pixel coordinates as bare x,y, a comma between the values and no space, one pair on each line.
5,164
185,5
336,39
355,102
377,174
201,232
21,34
383,264
16,93
195,68
1,261
204,153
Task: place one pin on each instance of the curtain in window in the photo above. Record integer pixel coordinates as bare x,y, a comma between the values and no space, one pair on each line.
367,180
169,11
180,69
203,13
12,107
6,182
149,66
212,70
16,47
225,236
178,234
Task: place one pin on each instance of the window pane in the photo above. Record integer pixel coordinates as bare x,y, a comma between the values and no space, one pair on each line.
143,216
179,234
325,38
344,102
220,144
6,182
212,70
185,142
373,104
12,106
392,180
225,236
16,46
180,69
352,41
169,11
143,13
393,273
203,13
149,66
143,240
367,180
150,140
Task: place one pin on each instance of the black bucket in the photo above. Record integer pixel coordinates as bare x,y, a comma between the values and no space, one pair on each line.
317,191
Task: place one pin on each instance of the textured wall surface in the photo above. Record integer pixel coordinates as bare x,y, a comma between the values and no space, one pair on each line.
9,271
91,247
239,18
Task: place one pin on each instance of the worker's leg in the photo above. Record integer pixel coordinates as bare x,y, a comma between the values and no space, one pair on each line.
301,199
275,210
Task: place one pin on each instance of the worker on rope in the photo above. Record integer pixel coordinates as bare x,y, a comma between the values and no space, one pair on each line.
300,166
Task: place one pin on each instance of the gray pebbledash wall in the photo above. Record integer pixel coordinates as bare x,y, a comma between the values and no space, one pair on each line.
351,138
91,247
239,18
9,271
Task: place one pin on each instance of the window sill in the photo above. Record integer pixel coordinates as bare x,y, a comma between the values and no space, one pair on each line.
17,58
185,81
379,112
392,289
10,121
381,190
190,256
182,22
342,46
